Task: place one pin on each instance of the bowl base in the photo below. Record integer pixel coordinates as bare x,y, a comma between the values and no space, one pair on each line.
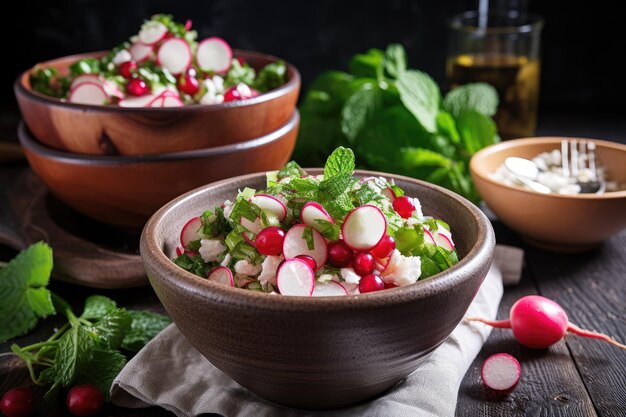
561,247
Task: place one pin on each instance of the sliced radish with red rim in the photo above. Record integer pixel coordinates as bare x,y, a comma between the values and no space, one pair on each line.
214,54
192,230
311,212
175,55
444,242
364,227
295,244
172,101
143,101
222,275
271,205
389,193
501,372
140,52
295,277
254,227
428,237
152,32
328,289
89,93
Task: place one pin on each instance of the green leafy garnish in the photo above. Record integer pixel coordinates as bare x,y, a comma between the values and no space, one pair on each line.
23,291
480,97
341,161
271,76
144,327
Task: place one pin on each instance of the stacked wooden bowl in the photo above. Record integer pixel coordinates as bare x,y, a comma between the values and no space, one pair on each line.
119,165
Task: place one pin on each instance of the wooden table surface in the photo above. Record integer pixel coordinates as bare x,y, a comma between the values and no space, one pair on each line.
577,377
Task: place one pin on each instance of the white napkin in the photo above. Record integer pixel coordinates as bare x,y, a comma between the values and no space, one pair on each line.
170,373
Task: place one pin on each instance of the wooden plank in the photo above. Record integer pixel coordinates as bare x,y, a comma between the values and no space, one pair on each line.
550,384
591,287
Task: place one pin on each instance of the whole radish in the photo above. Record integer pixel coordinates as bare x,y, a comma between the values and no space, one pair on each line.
18,402
538,322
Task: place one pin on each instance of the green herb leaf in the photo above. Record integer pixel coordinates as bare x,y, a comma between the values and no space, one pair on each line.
420,94
214,223
98,306
479,97
476,130
85,66
113,327
74,353
341,161
23,291
369,64
271,76
333,187
104,366
239,74
447,127
244,208
395,60
328,229
358,109
144,327
291,169
307,235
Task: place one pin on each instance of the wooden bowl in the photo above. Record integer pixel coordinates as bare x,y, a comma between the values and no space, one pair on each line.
125,190
113,130
310,352
552,221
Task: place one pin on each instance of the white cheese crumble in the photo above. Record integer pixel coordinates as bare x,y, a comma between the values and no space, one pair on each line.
268,270
210,249
350,276
121,57
402,270
245,267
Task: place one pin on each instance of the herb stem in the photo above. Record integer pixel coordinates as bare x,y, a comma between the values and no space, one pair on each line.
59,332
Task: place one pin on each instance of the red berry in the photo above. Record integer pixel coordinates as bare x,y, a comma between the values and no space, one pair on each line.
188,84
85,400
232,94
127,69
137,87
269,241
308,260
371,283
18,402
363,263
403,206
384,248
339,254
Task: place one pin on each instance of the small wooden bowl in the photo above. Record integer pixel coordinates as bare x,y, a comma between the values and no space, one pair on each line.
551,221
113,130
125,190
312,352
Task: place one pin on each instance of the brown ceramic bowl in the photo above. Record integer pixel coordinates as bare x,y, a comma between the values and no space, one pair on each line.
125,190
551,221
111,130
325,352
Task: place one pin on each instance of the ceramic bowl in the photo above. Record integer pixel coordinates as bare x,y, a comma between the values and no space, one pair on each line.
326,352
125,190
113,130
551,221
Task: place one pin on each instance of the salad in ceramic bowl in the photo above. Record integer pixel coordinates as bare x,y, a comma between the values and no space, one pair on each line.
317,235
164,65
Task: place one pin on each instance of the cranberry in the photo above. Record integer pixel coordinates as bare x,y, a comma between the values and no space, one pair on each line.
371,283
18,402
310,261
188,84
127,69
232,94
384,248
403,206
85,400
363,263
269,241
137,87
339,254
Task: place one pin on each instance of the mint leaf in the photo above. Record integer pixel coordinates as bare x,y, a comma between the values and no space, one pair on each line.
328,229
395,60
339,207
420,94
333,187
104,366
291,169
369,64
447,127
358,109
476,130
22,291
74,353
480,97
113,327
214,223
307,235
97,306
144,327
341,161
271,76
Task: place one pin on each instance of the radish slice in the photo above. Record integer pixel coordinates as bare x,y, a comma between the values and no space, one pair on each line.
388,192
89,93
364,227
328,289
501,372
172,101
444,242
270,204
85,78
428,237
254,227
249,238
294,245
295,277
214,54
143,101
157,102
175,55
152,32
222,275
192,230
140,52
445,232
311,212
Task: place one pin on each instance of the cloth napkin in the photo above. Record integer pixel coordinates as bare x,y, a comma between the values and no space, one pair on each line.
170,373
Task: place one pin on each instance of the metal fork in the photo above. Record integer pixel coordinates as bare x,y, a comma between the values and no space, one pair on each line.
572,151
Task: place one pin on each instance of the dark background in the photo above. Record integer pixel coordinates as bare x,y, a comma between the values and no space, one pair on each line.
581,41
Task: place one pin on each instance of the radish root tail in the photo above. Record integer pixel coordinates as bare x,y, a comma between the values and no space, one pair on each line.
572,328
500,324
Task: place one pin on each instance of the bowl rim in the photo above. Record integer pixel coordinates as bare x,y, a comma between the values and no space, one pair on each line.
481,252
477,168
28,141
293,83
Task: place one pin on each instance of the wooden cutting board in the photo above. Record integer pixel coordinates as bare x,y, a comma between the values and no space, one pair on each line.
85,252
